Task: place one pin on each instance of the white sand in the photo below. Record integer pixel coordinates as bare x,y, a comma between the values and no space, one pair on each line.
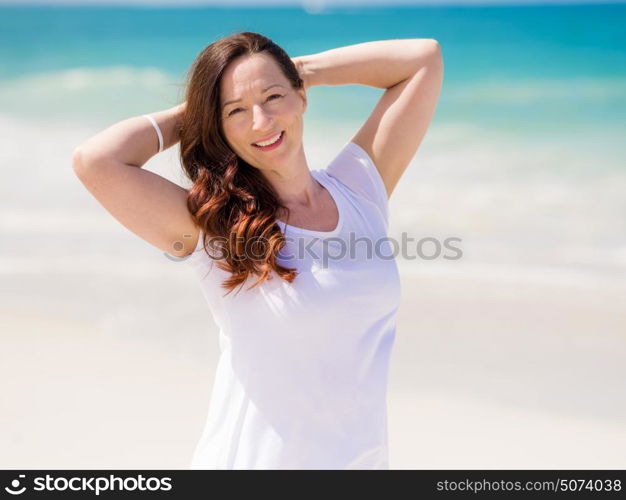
115,371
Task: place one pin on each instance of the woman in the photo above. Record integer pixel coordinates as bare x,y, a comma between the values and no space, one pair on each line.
305,344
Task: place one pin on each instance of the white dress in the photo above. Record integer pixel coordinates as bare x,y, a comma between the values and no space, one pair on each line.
301,381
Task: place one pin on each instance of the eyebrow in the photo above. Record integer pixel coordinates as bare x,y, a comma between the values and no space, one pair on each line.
262,91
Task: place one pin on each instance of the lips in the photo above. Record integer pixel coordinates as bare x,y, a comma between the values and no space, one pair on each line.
267,138
273,146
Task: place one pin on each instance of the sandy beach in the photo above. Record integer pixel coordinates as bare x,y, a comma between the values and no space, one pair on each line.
485,373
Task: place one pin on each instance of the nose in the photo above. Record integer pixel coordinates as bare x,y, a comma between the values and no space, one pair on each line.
260,119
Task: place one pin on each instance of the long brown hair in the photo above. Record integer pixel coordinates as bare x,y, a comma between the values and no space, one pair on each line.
230,200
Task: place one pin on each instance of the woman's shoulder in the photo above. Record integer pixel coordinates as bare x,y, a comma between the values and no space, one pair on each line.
353,169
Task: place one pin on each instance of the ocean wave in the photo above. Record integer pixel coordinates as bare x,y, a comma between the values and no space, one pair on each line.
533,91
89,94
86,78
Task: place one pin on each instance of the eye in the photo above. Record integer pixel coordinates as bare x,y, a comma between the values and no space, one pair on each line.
238,109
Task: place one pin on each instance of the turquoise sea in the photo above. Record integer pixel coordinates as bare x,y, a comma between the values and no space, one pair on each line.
525,159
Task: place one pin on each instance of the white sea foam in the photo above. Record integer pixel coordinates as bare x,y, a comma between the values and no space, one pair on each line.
513,203
88,94
497,90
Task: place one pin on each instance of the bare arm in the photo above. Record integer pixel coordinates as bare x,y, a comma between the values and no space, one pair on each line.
109,166
381,64
134,141
411,71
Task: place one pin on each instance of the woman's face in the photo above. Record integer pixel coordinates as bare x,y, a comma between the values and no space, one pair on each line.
266,105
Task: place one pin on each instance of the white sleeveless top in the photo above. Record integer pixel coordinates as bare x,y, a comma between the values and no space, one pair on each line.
301,381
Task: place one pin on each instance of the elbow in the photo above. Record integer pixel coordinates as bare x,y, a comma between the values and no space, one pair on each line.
83,161
429,48
435,57
77,157
435,48
427,53
77,161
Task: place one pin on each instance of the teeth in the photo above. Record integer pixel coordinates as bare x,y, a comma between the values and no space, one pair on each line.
267,143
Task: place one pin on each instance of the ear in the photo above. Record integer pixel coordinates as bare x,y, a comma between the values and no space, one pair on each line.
303,96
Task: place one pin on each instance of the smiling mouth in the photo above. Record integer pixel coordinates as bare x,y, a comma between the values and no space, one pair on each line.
273,145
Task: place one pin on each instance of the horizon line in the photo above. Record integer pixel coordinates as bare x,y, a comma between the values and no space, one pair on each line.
314,5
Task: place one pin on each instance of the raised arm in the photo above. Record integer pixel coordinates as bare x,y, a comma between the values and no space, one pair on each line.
109,166
410,71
